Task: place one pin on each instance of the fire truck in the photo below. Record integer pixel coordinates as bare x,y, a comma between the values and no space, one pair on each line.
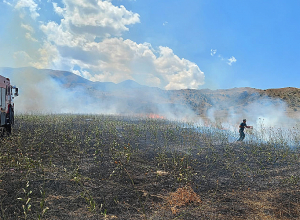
7,94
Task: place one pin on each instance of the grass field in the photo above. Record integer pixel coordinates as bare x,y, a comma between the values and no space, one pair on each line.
117,167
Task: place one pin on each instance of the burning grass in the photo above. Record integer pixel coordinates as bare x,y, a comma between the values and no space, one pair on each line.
113,167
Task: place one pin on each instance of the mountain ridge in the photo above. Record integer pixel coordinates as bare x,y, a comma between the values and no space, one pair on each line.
200,101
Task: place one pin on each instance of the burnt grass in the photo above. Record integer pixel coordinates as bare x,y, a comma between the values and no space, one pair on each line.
113,167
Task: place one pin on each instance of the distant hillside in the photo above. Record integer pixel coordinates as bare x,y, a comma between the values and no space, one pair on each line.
142,99
200,101
238,99
290,95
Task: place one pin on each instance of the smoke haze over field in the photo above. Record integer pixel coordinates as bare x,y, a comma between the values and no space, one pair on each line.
48,91
264,112
41,91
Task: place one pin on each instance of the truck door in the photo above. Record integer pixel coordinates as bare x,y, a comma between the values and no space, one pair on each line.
2,106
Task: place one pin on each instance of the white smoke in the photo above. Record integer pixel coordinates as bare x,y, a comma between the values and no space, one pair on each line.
41,93
260,112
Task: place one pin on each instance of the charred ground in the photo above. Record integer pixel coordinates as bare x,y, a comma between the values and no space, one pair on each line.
111,167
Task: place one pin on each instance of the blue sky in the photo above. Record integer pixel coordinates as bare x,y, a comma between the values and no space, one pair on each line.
174,44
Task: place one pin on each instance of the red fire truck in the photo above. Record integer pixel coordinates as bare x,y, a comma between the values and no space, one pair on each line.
7,94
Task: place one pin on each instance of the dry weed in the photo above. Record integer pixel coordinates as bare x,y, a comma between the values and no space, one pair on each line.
181,197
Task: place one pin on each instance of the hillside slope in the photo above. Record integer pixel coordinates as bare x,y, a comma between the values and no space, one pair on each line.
132,97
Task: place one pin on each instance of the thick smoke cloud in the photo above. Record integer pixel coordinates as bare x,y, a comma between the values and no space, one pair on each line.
42,93
260,111
39,93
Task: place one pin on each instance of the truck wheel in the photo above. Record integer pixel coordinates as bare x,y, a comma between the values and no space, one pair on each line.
10,121
12,118
8,129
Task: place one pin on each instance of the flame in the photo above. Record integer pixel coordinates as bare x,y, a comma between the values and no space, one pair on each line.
155,116
150,115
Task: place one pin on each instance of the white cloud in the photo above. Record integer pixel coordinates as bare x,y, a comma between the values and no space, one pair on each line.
29,37
116,60
213,52
6,2
180,73
61,35
231,60
87,41
31,5
30,30
48,57
58,10
96,17
27,27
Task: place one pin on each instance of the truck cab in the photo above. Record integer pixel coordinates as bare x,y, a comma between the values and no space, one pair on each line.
7,94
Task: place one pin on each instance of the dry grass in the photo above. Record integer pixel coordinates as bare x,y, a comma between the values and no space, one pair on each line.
181,197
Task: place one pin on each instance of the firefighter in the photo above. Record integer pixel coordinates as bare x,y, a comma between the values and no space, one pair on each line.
243,125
